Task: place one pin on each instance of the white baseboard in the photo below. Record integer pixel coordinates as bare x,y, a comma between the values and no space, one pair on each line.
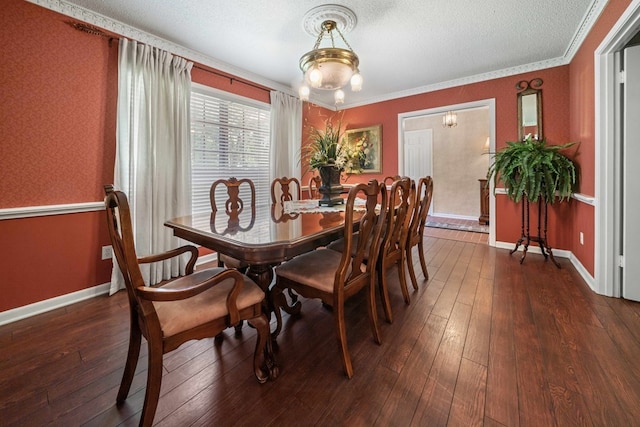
535,249
203,259
39,307
454,216
560,253
588,278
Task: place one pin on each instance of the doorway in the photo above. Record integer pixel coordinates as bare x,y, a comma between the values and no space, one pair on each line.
480,153
611,175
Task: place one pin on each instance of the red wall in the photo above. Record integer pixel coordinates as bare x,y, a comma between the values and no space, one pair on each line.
555,95
59,93
58,144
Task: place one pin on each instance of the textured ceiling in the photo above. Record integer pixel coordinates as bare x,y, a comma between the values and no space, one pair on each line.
405,46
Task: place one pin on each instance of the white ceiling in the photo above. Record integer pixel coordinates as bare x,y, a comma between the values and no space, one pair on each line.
405,46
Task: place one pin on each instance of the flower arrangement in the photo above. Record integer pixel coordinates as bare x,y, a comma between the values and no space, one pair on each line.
363,151
327,147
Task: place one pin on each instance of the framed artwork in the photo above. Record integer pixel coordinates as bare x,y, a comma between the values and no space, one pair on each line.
368,143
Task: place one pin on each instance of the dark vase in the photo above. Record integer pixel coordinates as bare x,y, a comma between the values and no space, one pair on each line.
331,189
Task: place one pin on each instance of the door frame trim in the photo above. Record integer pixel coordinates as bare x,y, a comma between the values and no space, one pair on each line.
483,103
607,145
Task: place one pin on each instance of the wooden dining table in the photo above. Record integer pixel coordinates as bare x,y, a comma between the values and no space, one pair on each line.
264,237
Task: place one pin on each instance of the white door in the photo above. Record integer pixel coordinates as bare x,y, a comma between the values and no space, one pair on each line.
631,175
418,155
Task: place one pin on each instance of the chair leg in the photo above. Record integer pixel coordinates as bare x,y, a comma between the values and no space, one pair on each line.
403,278
135,339
384,292
341,332
412,271
264,366
373,312
238,329
423,263
154,381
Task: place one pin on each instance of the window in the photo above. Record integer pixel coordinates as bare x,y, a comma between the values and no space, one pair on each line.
229,138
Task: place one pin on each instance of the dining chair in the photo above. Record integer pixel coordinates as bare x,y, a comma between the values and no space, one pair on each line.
395,230
234,205
314,187
334,277
415,236
399,212
199,305
282,191
388,180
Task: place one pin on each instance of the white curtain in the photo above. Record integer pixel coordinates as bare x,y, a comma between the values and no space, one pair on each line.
153,150
286,135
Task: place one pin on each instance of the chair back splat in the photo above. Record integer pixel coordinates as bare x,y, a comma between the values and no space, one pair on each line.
282,191
199,305
234,205
314,187
415,237
389,180
333,276
398,217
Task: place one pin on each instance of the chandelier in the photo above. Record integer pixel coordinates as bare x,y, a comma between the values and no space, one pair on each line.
329,68
450,119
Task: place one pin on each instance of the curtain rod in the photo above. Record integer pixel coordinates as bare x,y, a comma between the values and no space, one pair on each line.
231,78
90,29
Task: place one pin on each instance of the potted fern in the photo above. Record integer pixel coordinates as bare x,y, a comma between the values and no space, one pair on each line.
534,170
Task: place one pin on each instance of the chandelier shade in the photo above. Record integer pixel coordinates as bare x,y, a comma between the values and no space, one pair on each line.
330,68
336,67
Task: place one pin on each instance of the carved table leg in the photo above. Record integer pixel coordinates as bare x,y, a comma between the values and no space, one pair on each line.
263,276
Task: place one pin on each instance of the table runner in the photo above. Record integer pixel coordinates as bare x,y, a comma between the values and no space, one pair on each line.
312,206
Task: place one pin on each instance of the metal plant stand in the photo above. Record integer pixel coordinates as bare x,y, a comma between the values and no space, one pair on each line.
526,236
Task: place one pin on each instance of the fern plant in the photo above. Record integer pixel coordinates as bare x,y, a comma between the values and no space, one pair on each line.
533,169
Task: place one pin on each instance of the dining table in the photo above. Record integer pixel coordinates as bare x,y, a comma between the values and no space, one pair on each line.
265,236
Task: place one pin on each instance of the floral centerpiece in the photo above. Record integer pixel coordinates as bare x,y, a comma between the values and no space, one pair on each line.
328,153
327,147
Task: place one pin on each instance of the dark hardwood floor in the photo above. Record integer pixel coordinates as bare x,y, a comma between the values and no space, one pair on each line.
486,341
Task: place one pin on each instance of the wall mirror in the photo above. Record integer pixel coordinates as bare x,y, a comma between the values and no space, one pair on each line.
529,108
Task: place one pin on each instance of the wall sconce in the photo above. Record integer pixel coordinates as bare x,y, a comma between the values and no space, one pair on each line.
450,119
487,145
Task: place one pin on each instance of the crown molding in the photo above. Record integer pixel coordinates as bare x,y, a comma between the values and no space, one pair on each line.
506,72
80,13
590,18
122,29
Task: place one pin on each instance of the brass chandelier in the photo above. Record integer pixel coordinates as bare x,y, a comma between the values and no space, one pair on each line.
330,68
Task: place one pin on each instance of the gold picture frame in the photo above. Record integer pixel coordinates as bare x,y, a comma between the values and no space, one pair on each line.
369,141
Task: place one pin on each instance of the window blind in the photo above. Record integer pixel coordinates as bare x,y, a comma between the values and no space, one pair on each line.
229,138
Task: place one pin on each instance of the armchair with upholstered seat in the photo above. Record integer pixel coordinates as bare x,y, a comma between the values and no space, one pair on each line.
334,277
199,305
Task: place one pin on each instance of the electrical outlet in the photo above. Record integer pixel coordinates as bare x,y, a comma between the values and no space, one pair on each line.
107,252
581,238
